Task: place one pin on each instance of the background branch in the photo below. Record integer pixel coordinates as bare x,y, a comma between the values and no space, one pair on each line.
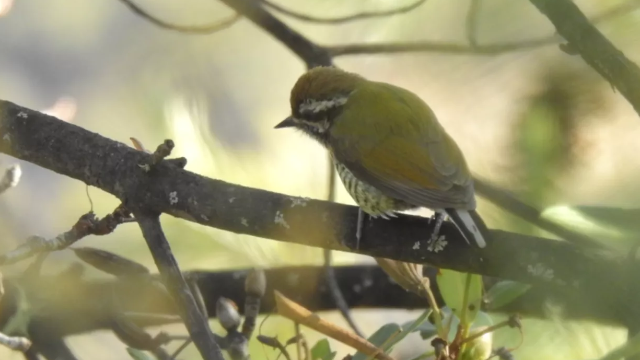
361,286
595,49
196,29
343,19
195,321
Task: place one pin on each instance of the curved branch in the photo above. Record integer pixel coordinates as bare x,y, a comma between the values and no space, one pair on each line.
340,20
195,29
312,54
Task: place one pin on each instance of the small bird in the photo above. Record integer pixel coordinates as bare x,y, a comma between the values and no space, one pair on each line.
389,149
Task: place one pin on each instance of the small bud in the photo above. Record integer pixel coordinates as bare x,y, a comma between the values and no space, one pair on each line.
478,348
256,283
227,314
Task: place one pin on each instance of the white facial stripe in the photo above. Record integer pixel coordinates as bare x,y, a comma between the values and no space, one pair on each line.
315,106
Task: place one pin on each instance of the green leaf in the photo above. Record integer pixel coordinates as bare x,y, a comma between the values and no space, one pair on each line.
139,354
504,292
453,284
380,338
410,327
322,351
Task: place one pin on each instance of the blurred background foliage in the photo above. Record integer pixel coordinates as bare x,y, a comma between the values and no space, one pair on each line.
537,122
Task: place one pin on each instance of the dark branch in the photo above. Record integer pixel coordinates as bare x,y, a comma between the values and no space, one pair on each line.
361,287
113,167
595,49
195,321
195,29
343,19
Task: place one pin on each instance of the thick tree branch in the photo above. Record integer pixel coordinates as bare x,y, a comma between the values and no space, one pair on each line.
114,168
195,321
595,49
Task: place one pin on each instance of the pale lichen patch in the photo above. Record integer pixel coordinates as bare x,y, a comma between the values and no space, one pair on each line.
416,245
244,222
204,217
298,201
231,199
23,115
280,220
173,197
6,138
541,271
438,245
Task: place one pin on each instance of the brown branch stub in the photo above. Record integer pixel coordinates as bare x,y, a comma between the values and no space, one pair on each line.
87,224
15,342
343,19
594,47
11,178
194,29
174,280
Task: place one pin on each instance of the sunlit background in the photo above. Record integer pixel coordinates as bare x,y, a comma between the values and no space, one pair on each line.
539,122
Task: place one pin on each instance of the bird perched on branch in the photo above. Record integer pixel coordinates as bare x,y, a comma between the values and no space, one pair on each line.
389,149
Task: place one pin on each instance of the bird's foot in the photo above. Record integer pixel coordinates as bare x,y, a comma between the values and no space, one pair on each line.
349,242
439,219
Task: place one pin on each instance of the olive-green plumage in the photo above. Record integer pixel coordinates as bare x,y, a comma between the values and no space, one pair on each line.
390,151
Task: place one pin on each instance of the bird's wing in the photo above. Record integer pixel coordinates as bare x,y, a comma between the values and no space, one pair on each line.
405,158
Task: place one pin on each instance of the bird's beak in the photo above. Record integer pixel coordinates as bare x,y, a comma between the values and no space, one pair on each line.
288,122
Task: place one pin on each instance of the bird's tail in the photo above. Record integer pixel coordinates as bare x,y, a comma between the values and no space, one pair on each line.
470,225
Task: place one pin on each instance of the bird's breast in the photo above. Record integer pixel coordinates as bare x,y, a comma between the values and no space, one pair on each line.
369,199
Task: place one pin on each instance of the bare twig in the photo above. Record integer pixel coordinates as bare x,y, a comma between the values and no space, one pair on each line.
530,214
464,49
336,294
181,348
11,178
173,279
471,24
330,275
312,54
88,224
343,19
196,29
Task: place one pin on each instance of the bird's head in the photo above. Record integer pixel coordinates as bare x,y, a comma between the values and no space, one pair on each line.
317,99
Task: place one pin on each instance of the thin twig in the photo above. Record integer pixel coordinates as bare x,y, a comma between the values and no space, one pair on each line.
88,224
196,323
195,29
330,275
464,49
181,348
343,19
471,23
528,213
